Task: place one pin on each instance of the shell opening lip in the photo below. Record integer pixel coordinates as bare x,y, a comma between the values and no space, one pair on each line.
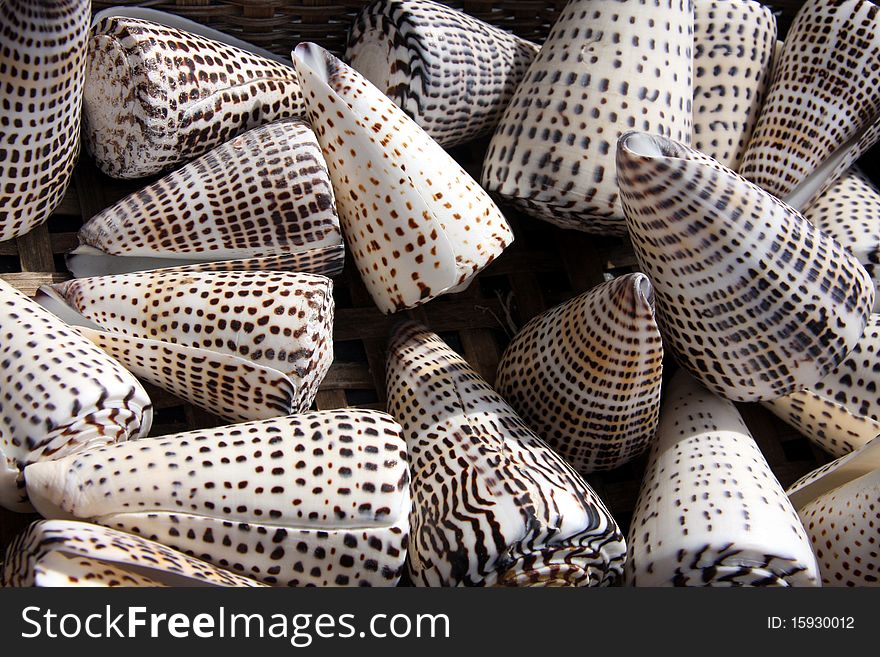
643,144
314,57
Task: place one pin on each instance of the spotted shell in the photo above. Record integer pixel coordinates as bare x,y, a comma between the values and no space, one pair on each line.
417,224
42,66
710,512
451,73
606,67
60,393
242,345
493,505
585,376
71,553
312,499
262,196
751,298
734,44
156,96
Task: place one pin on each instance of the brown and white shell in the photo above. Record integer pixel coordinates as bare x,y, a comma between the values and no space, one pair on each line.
585,376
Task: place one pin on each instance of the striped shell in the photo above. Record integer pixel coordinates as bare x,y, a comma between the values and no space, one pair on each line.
261,200
71,553
242,345
157,96
585,376
751,298
710,512
493,505
312,499
60,393
734,44
42,68
451,73
606,67
417,224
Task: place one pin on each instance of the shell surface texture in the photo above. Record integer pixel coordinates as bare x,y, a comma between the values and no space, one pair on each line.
416,223
585,376
317,498
751,298
493,505
451,73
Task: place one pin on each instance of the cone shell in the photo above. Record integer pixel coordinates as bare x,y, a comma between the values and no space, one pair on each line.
606,67
585,376
60,394
419,53
156,96
417,224
734,44
710,512
493,504
239,344
825,94
42,65
263,194
752,299
70,553
312,499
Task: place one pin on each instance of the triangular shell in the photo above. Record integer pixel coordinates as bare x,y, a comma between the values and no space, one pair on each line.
71,553
493,504
824,95
42,66
242,345
734,44
60,393
751,298
710,511
606,67
263,194
312,499
156,96
417,224
585,376
451,73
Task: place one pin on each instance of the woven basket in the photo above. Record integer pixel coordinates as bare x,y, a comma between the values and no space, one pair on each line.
544,267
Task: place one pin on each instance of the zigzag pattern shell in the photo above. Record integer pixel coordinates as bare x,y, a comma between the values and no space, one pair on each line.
156,96
417,224
313,499
42,66
606,67
585,376
751,298
493,504
263,194
710,512
734,44
71,553
451,73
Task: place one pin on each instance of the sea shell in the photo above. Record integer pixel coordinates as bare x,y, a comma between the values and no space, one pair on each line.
710,512
71,553
751,298
60,394
585,376
262,200
313,499
417,224
493,504
156,96
734,44
824,98
242,345
451,73
42,66
838,506
607,67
